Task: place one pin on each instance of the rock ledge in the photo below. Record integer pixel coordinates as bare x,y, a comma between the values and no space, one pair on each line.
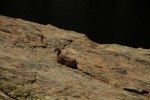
29,69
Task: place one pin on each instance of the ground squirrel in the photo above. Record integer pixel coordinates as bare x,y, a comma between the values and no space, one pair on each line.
64,60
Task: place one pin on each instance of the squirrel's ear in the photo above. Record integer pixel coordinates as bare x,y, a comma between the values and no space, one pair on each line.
56,49
74,60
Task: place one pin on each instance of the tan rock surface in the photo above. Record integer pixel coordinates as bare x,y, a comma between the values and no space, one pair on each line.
29,70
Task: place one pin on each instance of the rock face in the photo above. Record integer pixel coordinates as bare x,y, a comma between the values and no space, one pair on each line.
29,69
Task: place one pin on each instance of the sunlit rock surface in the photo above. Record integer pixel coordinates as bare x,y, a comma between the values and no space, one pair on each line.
29,69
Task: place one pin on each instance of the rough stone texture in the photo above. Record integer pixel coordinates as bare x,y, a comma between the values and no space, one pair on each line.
29,70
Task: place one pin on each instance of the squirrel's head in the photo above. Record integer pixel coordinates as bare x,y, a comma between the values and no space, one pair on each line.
58,50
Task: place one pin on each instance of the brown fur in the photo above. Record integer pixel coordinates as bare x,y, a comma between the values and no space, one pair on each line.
64,60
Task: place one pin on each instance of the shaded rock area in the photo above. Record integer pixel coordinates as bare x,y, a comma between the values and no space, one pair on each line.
29,68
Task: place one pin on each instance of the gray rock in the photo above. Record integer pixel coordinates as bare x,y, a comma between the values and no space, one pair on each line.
122,71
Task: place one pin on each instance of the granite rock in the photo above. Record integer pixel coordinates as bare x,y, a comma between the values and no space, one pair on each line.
29,69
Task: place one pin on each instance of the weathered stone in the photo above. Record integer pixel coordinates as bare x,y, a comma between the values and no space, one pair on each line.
122,71
29,69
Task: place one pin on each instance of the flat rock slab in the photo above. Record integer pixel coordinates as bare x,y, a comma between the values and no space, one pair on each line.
29,68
